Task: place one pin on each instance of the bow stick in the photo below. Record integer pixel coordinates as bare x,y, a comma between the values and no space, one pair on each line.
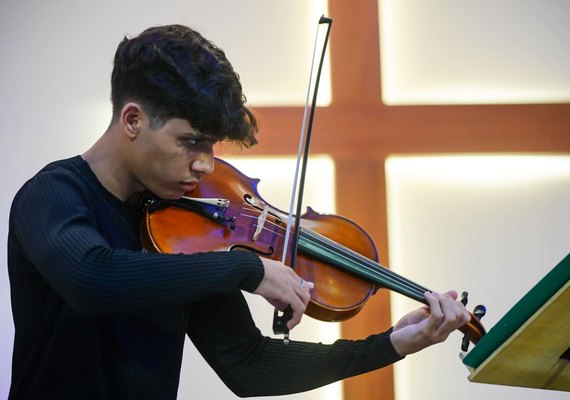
280,320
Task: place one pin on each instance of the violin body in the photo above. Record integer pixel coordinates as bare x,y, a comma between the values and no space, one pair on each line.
171,228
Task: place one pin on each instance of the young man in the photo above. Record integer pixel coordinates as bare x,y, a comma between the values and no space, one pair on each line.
98,318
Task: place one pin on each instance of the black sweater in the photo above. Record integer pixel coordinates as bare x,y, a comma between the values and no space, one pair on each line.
97,318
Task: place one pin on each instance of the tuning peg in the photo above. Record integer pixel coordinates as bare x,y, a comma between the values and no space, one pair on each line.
464,299
465,342
479,311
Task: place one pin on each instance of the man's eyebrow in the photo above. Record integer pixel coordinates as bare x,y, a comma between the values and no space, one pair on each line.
201,136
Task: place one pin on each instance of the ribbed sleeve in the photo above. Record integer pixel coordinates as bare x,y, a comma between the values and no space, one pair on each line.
253,365
91,274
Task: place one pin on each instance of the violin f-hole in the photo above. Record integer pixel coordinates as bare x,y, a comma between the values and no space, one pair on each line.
249,199
267,253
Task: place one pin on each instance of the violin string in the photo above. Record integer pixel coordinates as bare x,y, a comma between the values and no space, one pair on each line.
246,210
371,268
368,263
264,227
391,279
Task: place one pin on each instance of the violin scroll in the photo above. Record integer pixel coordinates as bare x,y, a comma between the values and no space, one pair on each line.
473,330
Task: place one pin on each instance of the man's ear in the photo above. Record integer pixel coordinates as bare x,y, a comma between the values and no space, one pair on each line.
131,119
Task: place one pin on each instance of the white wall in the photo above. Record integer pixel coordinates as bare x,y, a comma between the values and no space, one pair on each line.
473,52
489,224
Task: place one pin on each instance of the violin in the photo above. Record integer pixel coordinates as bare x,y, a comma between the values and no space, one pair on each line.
226,213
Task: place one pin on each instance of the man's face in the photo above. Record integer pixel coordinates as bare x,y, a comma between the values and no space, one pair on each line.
171,159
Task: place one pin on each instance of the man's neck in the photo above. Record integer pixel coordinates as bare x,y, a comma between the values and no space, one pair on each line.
106,161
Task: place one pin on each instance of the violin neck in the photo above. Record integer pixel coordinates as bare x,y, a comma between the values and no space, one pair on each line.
326,250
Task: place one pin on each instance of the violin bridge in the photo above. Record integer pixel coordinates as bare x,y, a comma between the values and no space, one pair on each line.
260,222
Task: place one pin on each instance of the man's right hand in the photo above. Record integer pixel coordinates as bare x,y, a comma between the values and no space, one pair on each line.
282,287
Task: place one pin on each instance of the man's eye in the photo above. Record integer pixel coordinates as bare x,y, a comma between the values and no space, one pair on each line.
198,141
191,141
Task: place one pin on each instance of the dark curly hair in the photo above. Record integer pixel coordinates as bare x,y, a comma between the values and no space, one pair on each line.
174,72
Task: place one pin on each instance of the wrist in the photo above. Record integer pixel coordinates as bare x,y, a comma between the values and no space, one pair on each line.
403,342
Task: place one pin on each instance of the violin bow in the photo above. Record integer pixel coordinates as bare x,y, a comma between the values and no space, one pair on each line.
280,320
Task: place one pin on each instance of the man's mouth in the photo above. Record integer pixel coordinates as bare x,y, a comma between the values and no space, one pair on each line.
188,186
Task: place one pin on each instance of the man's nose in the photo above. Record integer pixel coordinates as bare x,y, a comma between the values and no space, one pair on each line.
204,164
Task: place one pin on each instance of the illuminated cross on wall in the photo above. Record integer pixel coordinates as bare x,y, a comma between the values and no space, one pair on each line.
359,132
